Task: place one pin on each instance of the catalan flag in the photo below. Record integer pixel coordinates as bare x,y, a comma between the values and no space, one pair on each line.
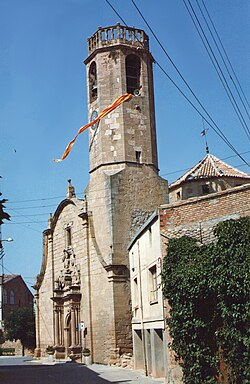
105,112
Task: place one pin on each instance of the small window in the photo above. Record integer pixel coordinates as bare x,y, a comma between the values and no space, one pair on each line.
68,237
136,292
150,236
205,189
12,297
5,296
92,82
138,156
153,285
178,195
133,72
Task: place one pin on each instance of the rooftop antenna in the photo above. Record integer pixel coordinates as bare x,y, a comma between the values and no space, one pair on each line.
204,133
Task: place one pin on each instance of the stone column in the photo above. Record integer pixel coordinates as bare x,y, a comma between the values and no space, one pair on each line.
73,327
61,327
57,334
77,322
38,348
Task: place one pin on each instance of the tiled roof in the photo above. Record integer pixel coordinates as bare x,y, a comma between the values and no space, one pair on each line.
207,168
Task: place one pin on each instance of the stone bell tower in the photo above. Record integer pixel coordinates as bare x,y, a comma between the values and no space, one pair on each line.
119,61
124,186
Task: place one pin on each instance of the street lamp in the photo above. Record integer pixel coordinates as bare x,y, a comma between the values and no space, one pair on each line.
2,277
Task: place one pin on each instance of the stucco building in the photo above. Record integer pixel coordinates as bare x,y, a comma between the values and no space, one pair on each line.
84,277
194,211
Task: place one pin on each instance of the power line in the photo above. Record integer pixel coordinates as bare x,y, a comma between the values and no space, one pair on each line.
217,130
220,53
175,67
27,222
226,55
34,206
33,229
88,200
102,189
186,169
217,67
36,214
42,198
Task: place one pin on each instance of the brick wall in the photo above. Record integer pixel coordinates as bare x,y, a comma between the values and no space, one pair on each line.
197,216
22,297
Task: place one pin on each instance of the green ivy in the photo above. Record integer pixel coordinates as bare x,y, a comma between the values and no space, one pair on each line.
208,290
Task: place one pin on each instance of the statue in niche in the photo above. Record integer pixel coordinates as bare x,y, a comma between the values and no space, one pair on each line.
66,259
59,282
76,275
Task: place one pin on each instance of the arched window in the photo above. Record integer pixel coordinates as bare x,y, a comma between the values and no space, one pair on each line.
5,297
12,297
92,82
133,73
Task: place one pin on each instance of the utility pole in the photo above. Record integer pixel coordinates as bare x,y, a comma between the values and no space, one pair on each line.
1,280
3,216
2,276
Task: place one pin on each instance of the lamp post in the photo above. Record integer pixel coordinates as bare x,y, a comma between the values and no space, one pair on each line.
2,279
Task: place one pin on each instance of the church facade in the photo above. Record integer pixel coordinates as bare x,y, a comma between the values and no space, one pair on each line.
83,290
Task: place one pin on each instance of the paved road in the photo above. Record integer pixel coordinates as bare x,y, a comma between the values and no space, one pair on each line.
16,370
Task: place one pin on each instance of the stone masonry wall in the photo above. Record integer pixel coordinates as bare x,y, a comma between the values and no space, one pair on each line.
119,198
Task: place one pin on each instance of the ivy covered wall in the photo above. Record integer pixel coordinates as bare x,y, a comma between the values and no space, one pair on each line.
207,288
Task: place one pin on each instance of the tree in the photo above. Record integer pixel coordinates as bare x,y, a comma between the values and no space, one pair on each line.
20,324
2,339
3,215
208,290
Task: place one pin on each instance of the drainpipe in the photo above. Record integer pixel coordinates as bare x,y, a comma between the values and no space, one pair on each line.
89,278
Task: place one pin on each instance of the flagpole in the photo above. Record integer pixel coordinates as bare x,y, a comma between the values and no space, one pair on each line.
204,133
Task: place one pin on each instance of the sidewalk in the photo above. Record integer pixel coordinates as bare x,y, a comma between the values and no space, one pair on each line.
122,375
47,371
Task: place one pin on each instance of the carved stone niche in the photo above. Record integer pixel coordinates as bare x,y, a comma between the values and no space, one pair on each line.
117,272
68,278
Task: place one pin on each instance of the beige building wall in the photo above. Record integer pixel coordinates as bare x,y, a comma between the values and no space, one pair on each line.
148,321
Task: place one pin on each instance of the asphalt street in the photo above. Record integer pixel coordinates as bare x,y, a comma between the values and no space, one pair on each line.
18,370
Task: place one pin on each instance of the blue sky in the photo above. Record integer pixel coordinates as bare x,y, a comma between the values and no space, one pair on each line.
43,101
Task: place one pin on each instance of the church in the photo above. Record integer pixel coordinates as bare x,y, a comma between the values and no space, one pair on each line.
82,295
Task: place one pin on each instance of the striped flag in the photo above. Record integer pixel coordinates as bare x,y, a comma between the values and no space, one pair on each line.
105,112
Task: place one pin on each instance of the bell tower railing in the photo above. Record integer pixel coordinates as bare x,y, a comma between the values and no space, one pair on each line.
118,35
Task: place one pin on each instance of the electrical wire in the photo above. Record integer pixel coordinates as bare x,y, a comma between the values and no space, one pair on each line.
176,68
42,198
102,190
217,130
226,55
33,207
36,214
28,222
24,278
221,55
217,67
